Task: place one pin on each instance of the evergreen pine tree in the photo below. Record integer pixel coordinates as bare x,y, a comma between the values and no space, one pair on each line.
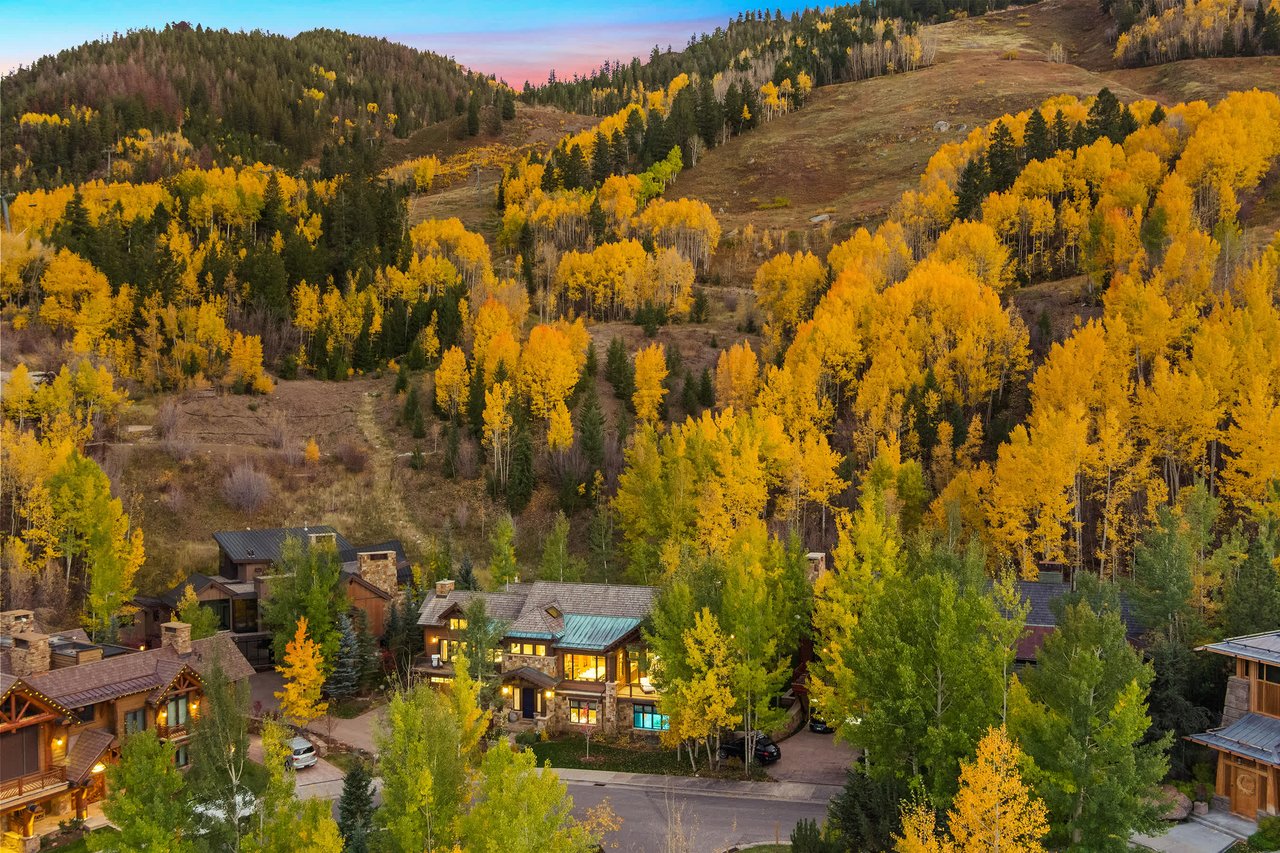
1061,132
419,426
344,678
1157,115
1253,595
591,428
689,394
411,408
1002,158
355,809
466,573
475,404
1105,117
367,651
706,390
576,174
521,483
601,164
972,189
591,365
1038,146
473,114
402,379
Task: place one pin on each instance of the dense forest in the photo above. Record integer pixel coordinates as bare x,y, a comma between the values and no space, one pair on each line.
830,45
1154,31
146,104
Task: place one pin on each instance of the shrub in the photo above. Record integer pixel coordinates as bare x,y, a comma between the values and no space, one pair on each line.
1268,835
312,452
278,431
167,419
352,456
178,449
246,488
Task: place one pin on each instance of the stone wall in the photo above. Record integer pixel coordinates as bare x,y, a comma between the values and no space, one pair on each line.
1236,704
379,569
542,663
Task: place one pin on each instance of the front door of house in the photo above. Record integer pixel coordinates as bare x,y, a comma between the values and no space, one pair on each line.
528,702
1245,794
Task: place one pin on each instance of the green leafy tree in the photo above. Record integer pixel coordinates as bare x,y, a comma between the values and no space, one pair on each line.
1253,591
203,621
482,639
1082,719
146,799
355,809
424,773
285,823
921,669
557,563
219,755
519,809
503,569
306,585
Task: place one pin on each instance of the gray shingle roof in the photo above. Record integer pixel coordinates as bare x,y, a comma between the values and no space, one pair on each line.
252,546
85,752
1041,595
525,607
1260,647
1253,736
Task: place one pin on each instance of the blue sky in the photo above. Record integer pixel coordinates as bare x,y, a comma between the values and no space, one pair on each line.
516,40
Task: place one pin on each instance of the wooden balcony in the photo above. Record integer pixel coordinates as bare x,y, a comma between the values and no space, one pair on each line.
33,783
173,732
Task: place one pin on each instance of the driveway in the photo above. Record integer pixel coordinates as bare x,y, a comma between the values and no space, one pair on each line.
814,758
356,733
320,780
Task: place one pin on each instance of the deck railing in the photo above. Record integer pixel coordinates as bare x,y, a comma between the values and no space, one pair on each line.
32,783
172,732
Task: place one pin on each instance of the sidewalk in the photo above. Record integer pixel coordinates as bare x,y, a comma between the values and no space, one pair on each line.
791,792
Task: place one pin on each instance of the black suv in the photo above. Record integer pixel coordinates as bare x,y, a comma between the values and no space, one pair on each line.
818,723
764,752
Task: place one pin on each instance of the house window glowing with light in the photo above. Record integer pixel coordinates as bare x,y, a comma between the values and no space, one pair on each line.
538,649
583,712
457,623
647,718
584,667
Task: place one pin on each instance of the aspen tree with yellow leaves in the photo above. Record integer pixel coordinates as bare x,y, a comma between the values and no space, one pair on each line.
303,670
650,374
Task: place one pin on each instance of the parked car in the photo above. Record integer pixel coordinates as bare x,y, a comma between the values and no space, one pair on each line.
764,750
212,813
302,754
818,723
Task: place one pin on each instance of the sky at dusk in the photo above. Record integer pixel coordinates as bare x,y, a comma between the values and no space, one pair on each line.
516,40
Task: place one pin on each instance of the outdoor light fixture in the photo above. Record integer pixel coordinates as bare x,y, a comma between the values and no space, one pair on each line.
505,689
551,694
99,767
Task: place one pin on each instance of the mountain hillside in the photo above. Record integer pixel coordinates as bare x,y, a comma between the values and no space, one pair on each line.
144,102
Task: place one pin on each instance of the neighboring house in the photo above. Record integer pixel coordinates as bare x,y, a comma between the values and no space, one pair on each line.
1248,742
1040,596
572,653
66,704
247,559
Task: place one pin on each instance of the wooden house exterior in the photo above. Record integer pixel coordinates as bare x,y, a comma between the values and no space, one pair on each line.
1248,741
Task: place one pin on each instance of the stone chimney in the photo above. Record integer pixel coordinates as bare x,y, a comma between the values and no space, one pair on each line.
443,588
176,635
379,569
30,654
14,622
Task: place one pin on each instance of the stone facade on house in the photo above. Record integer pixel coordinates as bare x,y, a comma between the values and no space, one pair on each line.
571,654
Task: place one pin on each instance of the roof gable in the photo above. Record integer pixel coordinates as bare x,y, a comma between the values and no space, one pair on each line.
1264,647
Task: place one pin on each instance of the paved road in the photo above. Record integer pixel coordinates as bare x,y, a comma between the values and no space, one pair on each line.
707,820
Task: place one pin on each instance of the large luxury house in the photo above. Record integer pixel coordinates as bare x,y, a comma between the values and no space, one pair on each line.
247,560
1248,742
571,654
66,704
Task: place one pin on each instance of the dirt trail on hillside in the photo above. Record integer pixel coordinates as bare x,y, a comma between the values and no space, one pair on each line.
386,485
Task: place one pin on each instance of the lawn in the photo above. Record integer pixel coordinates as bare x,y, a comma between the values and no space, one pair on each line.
570,752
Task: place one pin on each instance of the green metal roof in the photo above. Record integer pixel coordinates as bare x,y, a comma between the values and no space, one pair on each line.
594,633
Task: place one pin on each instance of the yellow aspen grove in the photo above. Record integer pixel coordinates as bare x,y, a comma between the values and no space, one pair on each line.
560,428
452,381
304,674
549,369
651,372
786,287
737,377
